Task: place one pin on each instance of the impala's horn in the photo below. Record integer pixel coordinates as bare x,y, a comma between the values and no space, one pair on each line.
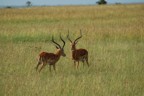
76,40
69,37
57,45
62,41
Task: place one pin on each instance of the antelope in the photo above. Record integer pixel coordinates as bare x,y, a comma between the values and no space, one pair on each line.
78,54
51,58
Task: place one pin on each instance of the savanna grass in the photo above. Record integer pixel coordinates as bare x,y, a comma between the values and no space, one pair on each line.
113,35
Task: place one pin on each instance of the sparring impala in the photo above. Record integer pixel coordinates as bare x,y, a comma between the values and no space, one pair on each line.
51,58
78,54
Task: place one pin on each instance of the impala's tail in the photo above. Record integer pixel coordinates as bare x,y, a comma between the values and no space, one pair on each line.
87,59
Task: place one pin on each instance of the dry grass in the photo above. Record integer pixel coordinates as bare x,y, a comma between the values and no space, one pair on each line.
113,35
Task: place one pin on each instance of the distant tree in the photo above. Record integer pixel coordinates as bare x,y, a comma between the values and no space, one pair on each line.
117,3
8,7
28,3
101,2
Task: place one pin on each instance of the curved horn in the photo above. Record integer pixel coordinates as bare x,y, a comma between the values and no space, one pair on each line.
69,37
78,37
55,42
62,41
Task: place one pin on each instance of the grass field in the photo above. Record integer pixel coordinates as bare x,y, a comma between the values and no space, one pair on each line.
113,35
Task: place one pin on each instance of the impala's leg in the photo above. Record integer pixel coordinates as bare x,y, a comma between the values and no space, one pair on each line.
87,60
83,62
44,64
54,67
74,63
78,65
50,68
39,63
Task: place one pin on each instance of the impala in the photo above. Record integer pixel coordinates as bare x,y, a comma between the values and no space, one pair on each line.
51,58
78,54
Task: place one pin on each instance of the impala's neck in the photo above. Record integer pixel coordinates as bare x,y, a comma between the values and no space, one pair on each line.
74,52
73,48
58,53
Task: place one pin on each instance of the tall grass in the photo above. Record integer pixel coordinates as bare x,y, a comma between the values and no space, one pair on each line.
113,35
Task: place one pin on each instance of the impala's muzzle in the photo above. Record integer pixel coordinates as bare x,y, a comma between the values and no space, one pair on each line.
63,55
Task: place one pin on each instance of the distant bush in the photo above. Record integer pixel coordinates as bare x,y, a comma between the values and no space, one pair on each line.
117,3
101,2
8,7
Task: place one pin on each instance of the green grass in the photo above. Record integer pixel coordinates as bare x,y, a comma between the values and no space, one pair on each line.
112,34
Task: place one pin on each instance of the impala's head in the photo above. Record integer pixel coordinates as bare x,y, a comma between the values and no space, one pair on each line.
60,50
73,43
